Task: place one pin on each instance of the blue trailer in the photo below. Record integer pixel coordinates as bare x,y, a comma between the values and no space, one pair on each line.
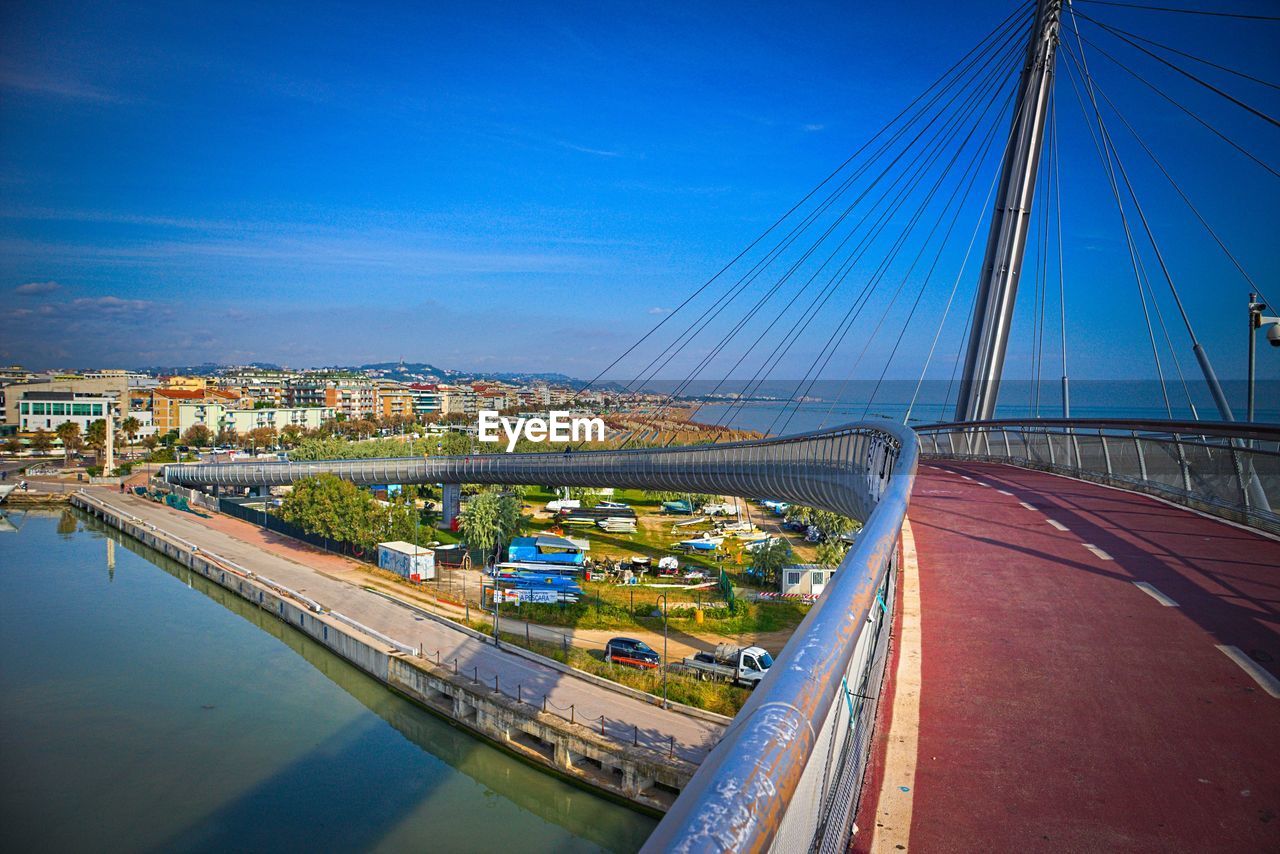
546,549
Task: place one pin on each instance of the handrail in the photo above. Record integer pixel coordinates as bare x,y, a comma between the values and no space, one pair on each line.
1226,429
1228,469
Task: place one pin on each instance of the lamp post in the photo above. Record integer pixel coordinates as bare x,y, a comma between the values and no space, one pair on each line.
1258,320
663,597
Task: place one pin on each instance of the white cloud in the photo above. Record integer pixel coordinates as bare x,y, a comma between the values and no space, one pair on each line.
40,84
112,304
657,309
33,288
813,128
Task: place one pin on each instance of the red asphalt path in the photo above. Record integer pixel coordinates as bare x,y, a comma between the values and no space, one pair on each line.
1065,709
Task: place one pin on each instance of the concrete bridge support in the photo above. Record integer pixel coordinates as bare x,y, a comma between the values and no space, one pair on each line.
451,499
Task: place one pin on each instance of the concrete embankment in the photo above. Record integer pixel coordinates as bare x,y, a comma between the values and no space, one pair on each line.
522,724
31,498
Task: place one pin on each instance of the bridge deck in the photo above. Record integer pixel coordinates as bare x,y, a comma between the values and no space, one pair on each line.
1062,706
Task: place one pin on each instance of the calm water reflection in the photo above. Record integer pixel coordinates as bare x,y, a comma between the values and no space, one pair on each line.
142,707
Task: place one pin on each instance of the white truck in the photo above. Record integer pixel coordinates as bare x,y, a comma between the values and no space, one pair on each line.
744,666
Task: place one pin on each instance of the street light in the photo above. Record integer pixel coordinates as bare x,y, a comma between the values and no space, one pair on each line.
663,597
1258,320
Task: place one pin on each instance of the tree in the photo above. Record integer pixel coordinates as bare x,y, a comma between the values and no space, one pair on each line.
13,445
449,444
262,436
291,435
831,553
490,520
197,436
130,427
42,441
328,506
68,433
769,559
96,438
150,441
830,526
227,437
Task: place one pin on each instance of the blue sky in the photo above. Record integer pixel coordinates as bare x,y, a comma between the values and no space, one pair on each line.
521,186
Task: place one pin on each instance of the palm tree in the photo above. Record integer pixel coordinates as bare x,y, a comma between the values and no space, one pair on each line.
96,438
130,427
68,433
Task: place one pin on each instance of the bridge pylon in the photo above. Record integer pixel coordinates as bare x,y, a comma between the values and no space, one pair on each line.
1010,222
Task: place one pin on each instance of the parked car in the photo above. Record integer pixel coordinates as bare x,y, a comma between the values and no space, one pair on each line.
632,653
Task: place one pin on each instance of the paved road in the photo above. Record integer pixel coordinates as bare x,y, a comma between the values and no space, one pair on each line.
694,737
1064,707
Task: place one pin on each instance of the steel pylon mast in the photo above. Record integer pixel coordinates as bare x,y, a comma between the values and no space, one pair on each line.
1010,222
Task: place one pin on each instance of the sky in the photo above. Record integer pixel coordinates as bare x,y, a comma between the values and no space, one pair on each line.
531,186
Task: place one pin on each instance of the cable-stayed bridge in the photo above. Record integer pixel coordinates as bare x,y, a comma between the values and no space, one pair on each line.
1146,570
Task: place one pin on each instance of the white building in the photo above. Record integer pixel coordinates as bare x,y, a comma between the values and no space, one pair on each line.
805,579
218,417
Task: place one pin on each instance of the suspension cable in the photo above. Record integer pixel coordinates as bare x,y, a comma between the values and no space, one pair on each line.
956,68
772,362
1141,79
931,147
837,337
1062,288
1193,77
1241,15
1181,193
1104,157
1118,31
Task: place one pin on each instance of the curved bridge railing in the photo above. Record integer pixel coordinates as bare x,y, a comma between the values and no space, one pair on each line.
788,772
1228,469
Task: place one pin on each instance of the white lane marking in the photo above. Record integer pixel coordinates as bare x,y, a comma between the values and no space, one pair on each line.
1026,505
980,483
966,477
1155,594
1261,675
1055,523
1004,492
1097,552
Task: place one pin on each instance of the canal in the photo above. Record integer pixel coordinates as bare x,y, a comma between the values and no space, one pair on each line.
142,707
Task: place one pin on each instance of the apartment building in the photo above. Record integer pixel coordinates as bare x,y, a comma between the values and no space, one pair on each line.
218,417
395,401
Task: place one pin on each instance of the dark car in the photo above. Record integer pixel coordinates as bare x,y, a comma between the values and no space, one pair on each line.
632,653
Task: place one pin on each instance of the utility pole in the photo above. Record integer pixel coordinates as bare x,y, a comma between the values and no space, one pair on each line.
1007,240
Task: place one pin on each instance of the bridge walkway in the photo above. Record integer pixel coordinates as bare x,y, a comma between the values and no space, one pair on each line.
1064,707
234,540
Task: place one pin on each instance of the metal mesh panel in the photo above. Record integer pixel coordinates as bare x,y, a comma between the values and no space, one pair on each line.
1163,467
1125,462
1265,470
1038,449
1212,471
1092,458
1064,450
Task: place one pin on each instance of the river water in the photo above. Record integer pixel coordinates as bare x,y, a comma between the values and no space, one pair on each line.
144,708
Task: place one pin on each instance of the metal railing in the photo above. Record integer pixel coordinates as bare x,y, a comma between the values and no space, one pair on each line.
788,772
1228,469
